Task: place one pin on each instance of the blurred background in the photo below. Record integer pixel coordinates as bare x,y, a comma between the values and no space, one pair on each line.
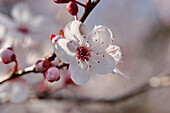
140,27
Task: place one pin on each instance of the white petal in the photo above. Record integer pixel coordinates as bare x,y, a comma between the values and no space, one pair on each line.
21,13
6,21
72,45
99,39
76,31
99,26
5,87
115,52
3,32
39,24
79,72
63,51
119,73
20,92
102,63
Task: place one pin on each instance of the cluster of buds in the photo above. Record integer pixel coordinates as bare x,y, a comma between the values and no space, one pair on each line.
51,73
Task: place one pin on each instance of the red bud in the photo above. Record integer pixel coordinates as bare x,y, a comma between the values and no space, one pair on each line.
72,8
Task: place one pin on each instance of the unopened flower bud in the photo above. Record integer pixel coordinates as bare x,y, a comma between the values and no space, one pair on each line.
52,74
42,65
7,55
61,1
72,8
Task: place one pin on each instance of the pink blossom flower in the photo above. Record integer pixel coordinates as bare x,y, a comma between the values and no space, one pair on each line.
85,52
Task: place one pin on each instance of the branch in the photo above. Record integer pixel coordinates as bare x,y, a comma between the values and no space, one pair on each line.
90,7
30,69
154,82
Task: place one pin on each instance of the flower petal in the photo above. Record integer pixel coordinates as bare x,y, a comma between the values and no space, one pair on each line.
63,51
115,52
39,24
102,63
119,73
99,39
7,22
76,31
5,88
79,73
99,26
20,92
21,13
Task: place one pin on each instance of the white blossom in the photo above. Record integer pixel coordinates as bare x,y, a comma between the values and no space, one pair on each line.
16,90
24,23
85,52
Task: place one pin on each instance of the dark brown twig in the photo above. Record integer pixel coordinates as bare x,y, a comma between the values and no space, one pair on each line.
30,69
90,7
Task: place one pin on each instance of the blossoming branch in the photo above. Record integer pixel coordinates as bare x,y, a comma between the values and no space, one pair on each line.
78,53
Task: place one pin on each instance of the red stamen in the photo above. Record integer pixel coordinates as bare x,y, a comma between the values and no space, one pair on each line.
83,53
23,30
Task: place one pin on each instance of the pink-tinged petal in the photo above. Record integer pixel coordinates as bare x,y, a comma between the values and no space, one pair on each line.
119,73
7,22
99,26
72,45
3,32
101,63
19,92
115,52
5,88
99,39
39,24
76,31
21,13
79,72
63,52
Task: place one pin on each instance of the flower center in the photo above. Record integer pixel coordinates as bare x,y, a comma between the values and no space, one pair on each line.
23,30
83,53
